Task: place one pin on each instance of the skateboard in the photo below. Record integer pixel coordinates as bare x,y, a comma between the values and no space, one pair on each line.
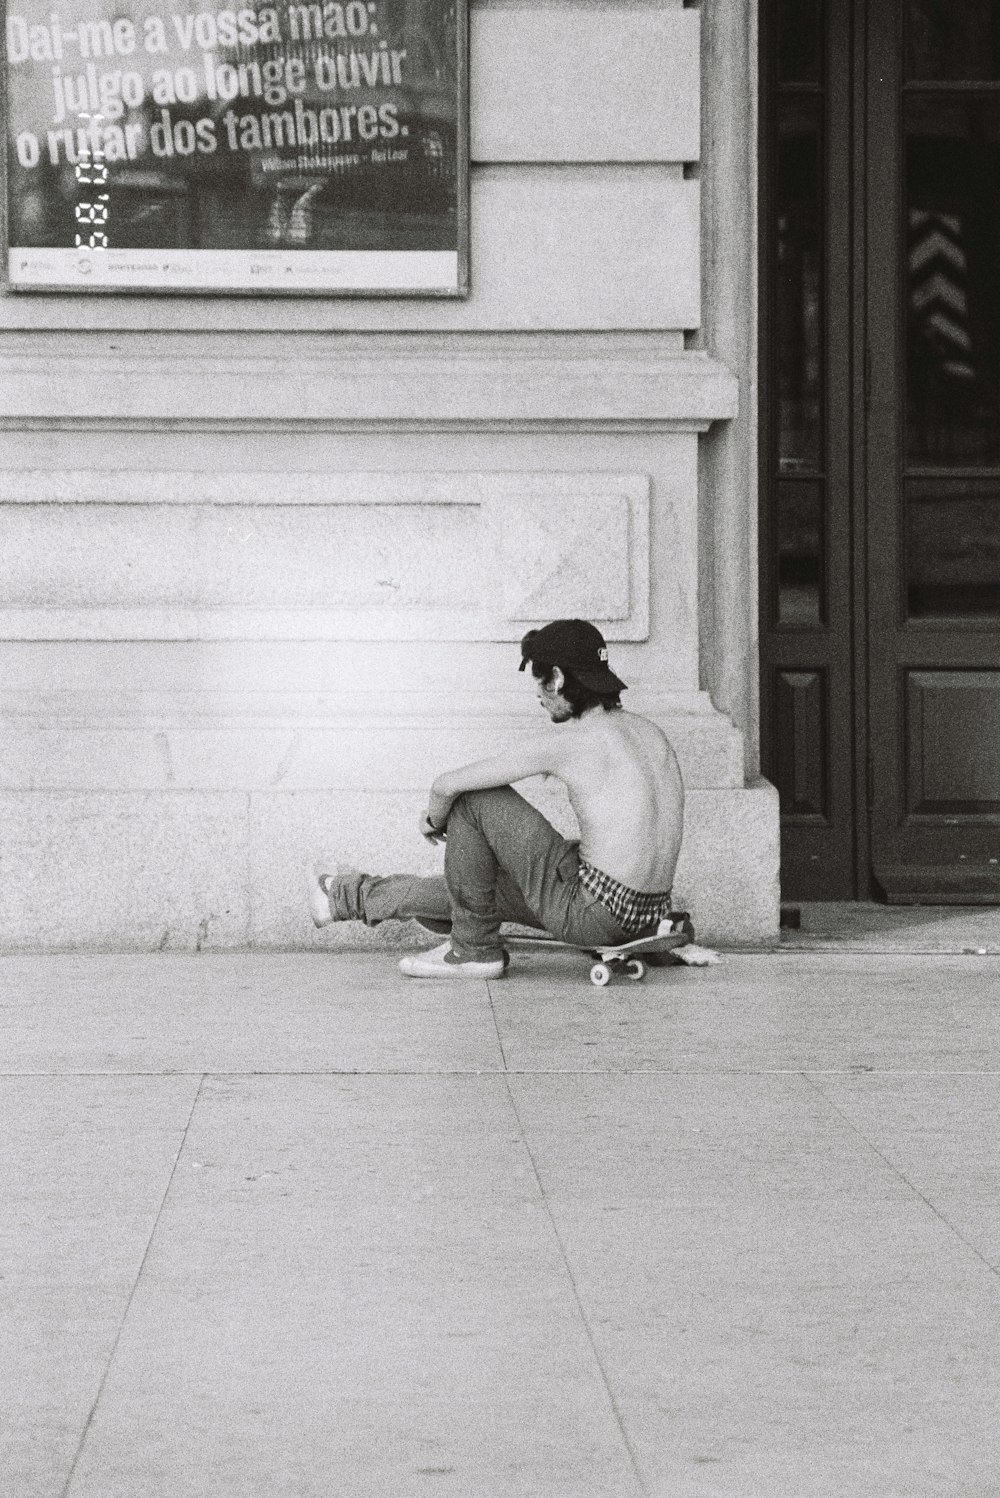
625,958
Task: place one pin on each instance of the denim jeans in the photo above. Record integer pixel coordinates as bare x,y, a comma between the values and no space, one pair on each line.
503,862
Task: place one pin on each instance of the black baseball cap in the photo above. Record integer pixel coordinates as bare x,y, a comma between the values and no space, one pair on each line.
573,645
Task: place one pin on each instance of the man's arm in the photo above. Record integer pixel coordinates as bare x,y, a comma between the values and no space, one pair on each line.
539,755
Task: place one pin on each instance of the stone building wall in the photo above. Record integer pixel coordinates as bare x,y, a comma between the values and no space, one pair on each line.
266,562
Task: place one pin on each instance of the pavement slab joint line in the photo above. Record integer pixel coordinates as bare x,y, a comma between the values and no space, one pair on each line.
858,948
612,1401
527,1071
131,1296
503,1053
900,1175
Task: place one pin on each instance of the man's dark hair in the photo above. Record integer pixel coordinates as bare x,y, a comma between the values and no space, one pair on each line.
579,697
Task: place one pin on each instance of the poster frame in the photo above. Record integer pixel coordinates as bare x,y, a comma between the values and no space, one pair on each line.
460,292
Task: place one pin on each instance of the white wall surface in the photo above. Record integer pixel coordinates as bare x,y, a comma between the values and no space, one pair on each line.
265,562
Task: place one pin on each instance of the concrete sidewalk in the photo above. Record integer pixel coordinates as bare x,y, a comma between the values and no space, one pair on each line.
293,1225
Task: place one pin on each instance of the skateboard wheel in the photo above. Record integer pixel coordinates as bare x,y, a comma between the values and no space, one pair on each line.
600,975
636,969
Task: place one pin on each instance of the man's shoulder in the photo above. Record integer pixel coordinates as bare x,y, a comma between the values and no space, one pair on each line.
641,737
614,731
638,724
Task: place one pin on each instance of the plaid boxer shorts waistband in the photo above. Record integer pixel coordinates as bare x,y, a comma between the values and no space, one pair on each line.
633,909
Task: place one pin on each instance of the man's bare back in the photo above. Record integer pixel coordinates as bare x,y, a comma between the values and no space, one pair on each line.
625,787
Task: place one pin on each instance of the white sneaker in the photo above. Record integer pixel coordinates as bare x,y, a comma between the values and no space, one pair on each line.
442,962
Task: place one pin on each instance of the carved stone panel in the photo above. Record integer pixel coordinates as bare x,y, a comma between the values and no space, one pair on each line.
368,556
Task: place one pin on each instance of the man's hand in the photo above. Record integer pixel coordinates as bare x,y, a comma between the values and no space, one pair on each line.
430,830
439,803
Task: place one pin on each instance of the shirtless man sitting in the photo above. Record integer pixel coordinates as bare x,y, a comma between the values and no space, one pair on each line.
505,862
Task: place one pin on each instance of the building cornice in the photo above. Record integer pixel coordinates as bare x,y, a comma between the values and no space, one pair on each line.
60,380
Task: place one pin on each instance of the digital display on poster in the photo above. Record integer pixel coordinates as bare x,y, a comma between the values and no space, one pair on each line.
170,145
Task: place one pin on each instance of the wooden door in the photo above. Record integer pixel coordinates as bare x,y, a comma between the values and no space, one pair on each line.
933,504
809,716
880,441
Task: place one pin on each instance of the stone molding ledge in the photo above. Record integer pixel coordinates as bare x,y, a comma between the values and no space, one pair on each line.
181,554
63,707
73,381
158,741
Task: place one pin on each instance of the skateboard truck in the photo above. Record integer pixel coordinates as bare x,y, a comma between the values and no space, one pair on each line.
625,959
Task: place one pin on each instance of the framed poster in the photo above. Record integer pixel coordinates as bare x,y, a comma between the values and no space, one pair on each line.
188,146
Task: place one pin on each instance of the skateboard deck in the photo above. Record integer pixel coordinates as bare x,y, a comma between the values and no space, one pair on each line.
623,958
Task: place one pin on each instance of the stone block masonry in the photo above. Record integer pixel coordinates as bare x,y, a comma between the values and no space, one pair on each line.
267,560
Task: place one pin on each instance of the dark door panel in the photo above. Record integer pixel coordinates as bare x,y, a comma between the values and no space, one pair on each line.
933,179
806,668
952,744
948,809
880,443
